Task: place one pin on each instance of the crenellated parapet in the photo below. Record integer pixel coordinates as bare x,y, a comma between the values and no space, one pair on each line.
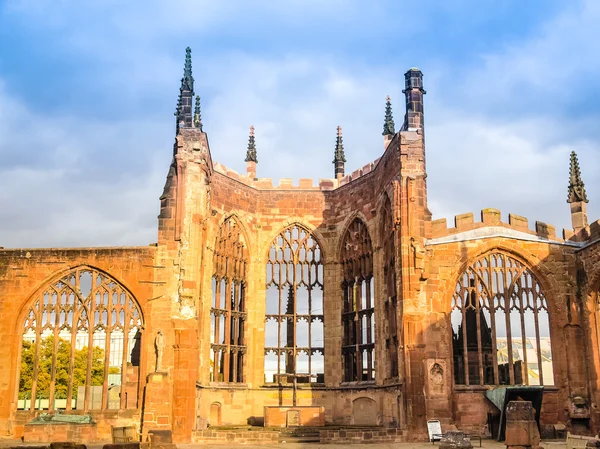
491,225
288,183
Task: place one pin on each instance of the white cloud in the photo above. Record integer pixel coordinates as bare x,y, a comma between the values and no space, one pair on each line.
85,181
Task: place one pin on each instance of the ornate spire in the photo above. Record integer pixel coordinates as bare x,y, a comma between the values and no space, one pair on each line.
388,123
186,94
576,187
197,117
339,158
187,70
251,153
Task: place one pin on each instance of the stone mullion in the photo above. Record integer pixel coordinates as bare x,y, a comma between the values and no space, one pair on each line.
108,329
127,314
357,334
477,305
282,266
537,335
310,315
507,297
369,314
54,352
294,314
36,360
464,334
227,335
91,328
217,331
76,315
492,309
523,280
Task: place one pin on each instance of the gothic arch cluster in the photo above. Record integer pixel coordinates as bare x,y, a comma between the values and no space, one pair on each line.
498,313
294,348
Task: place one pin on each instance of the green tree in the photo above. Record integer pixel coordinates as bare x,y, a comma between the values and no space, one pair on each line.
63,357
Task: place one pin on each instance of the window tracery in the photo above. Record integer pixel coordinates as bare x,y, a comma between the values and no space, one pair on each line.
84,309
391,299
294,345
500,325
228,311
358,316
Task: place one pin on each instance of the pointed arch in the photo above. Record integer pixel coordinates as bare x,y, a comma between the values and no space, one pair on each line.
294,333
81,333
500,324
371,229
228,309
297,222
239,223
358,312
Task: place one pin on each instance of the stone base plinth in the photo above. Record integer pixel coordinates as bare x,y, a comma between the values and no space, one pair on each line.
294,416
359,436
48,433
210,436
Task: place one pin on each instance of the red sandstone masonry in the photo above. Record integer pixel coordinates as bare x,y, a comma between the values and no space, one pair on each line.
211,436
361,436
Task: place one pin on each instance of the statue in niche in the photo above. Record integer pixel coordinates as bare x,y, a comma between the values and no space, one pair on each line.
436,379
419,257
159,345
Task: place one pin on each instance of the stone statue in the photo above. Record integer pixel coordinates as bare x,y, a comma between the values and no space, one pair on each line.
436,377
159,344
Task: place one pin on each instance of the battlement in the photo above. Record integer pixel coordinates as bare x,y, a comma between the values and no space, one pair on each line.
288,183
492,218
360,172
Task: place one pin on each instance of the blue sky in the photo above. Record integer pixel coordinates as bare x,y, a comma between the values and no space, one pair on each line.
88,90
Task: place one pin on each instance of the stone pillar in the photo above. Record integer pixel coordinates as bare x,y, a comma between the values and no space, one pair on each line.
156,413
521,429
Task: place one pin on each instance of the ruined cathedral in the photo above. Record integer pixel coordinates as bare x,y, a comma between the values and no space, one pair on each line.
333,304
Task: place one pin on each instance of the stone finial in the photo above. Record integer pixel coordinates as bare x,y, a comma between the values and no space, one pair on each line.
187,69
183,113
576,188
388,122
251,153
339,157
197,116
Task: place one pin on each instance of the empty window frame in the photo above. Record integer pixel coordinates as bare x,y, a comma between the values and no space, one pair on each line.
358,315
294,348
500,325
228,311
84,309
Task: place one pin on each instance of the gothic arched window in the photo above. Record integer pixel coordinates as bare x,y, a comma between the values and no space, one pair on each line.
228,311
84,309
358,317
294,309
500,325
391,297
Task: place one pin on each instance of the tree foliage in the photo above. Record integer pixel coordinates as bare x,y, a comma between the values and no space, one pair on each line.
63,357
